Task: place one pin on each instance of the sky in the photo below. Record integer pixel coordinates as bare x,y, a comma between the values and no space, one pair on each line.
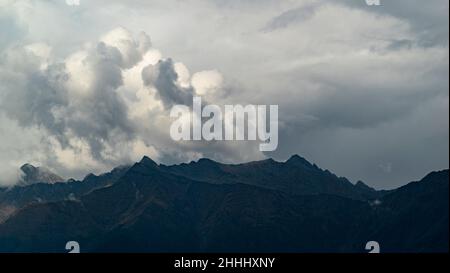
362,90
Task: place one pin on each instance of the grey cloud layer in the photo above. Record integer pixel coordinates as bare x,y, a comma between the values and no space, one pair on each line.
362,90
40,98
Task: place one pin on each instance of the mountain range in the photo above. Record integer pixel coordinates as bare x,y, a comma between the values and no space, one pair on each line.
207,206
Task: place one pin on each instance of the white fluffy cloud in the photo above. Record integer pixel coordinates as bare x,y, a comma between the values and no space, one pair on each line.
207,82
101,106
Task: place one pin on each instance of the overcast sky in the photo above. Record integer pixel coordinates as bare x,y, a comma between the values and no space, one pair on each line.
362,90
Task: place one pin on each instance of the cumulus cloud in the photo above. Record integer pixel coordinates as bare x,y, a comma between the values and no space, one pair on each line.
76,101
103,105
207,82
40,97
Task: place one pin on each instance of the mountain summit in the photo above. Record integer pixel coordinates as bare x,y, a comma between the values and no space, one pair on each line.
297,175
33,175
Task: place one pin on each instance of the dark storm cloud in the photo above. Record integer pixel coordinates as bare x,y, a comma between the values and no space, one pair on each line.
102,115
400,44
296,15
429,19
30,97
359,102
39,97
164,78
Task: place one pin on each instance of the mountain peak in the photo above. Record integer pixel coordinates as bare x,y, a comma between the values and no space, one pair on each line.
363,186
148,162
265,162
27,168
32,175
206,161
437,176
296,159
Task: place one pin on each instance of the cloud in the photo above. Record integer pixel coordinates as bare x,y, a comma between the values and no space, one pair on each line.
75,101
429,20
291,16
356,86
165,79
11,30
131,50
207,82
103,105
41,98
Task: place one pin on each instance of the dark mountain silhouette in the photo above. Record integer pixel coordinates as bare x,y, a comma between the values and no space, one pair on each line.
187,207
12,199
415,218
296,176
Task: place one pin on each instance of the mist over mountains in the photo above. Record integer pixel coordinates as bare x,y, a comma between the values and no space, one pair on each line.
32,175
206,206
